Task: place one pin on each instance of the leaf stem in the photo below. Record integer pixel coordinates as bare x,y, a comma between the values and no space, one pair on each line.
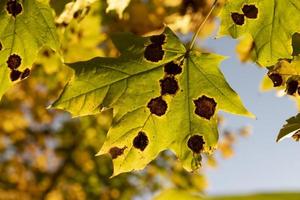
202,25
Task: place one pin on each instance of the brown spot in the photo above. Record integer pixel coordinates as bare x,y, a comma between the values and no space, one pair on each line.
154,53
1,46
296,136
250,11
172,68
14,61
157,106
25,73
15,75
205,107
13,7
141,141
276,79
47,53
116,151
291,87
77,14
158,39
196,143
169,86
238,19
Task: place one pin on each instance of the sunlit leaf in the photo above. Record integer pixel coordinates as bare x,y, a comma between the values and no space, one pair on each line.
270,23
23,31
163,98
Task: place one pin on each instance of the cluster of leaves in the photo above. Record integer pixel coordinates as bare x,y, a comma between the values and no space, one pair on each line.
264,26
48,155
161,93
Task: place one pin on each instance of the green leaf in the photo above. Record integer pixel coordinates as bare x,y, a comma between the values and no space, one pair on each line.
293,124
24,35
132,86
272,29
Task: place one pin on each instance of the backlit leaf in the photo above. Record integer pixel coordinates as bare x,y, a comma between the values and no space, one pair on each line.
271,24
170,102
23,35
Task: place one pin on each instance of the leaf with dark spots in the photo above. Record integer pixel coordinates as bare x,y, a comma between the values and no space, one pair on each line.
291,87
169,85
205,107
158,39
14,61
132,87
141,141
276,79
13,7
250,11
157,106
238,19
27,27
25,73
15,75
116,152
196,143
271,24
1,46
172,68
154,53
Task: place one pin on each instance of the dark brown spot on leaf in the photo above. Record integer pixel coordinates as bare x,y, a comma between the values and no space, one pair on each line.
154,53
205,107
172,68
77,14
1,46
238,19
13,7
169,86
276,79
158,39
14,61
141,141
116,151
25,73
291,87
250,11
15,75
157,106
296,136
196,143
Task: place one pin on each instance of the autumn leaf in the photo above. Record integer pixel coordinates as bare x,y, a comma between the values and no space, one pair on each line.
25,27
162,96
270,23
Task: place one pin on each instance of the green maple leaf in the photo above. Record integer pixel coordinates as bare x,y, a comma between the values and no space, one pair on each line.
154,106
271,23
292,125
25,27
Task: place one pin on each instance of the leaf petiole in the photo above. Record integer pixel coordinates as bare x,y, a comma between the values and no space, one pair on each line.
202,25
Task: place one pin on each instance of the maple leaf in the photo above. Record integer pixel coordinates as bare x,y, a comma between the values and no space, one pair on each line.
25,27
162,96
270,23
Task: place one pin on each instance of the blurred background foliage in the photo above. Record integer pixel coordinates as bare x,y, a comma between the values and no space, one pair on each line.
45,154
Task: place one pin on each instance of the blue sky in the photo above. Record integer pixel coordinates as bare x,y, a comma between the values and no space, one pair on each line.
260,164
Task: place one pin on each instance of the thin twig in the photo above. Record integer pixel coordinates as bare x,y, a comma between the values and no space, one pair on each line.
202,25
